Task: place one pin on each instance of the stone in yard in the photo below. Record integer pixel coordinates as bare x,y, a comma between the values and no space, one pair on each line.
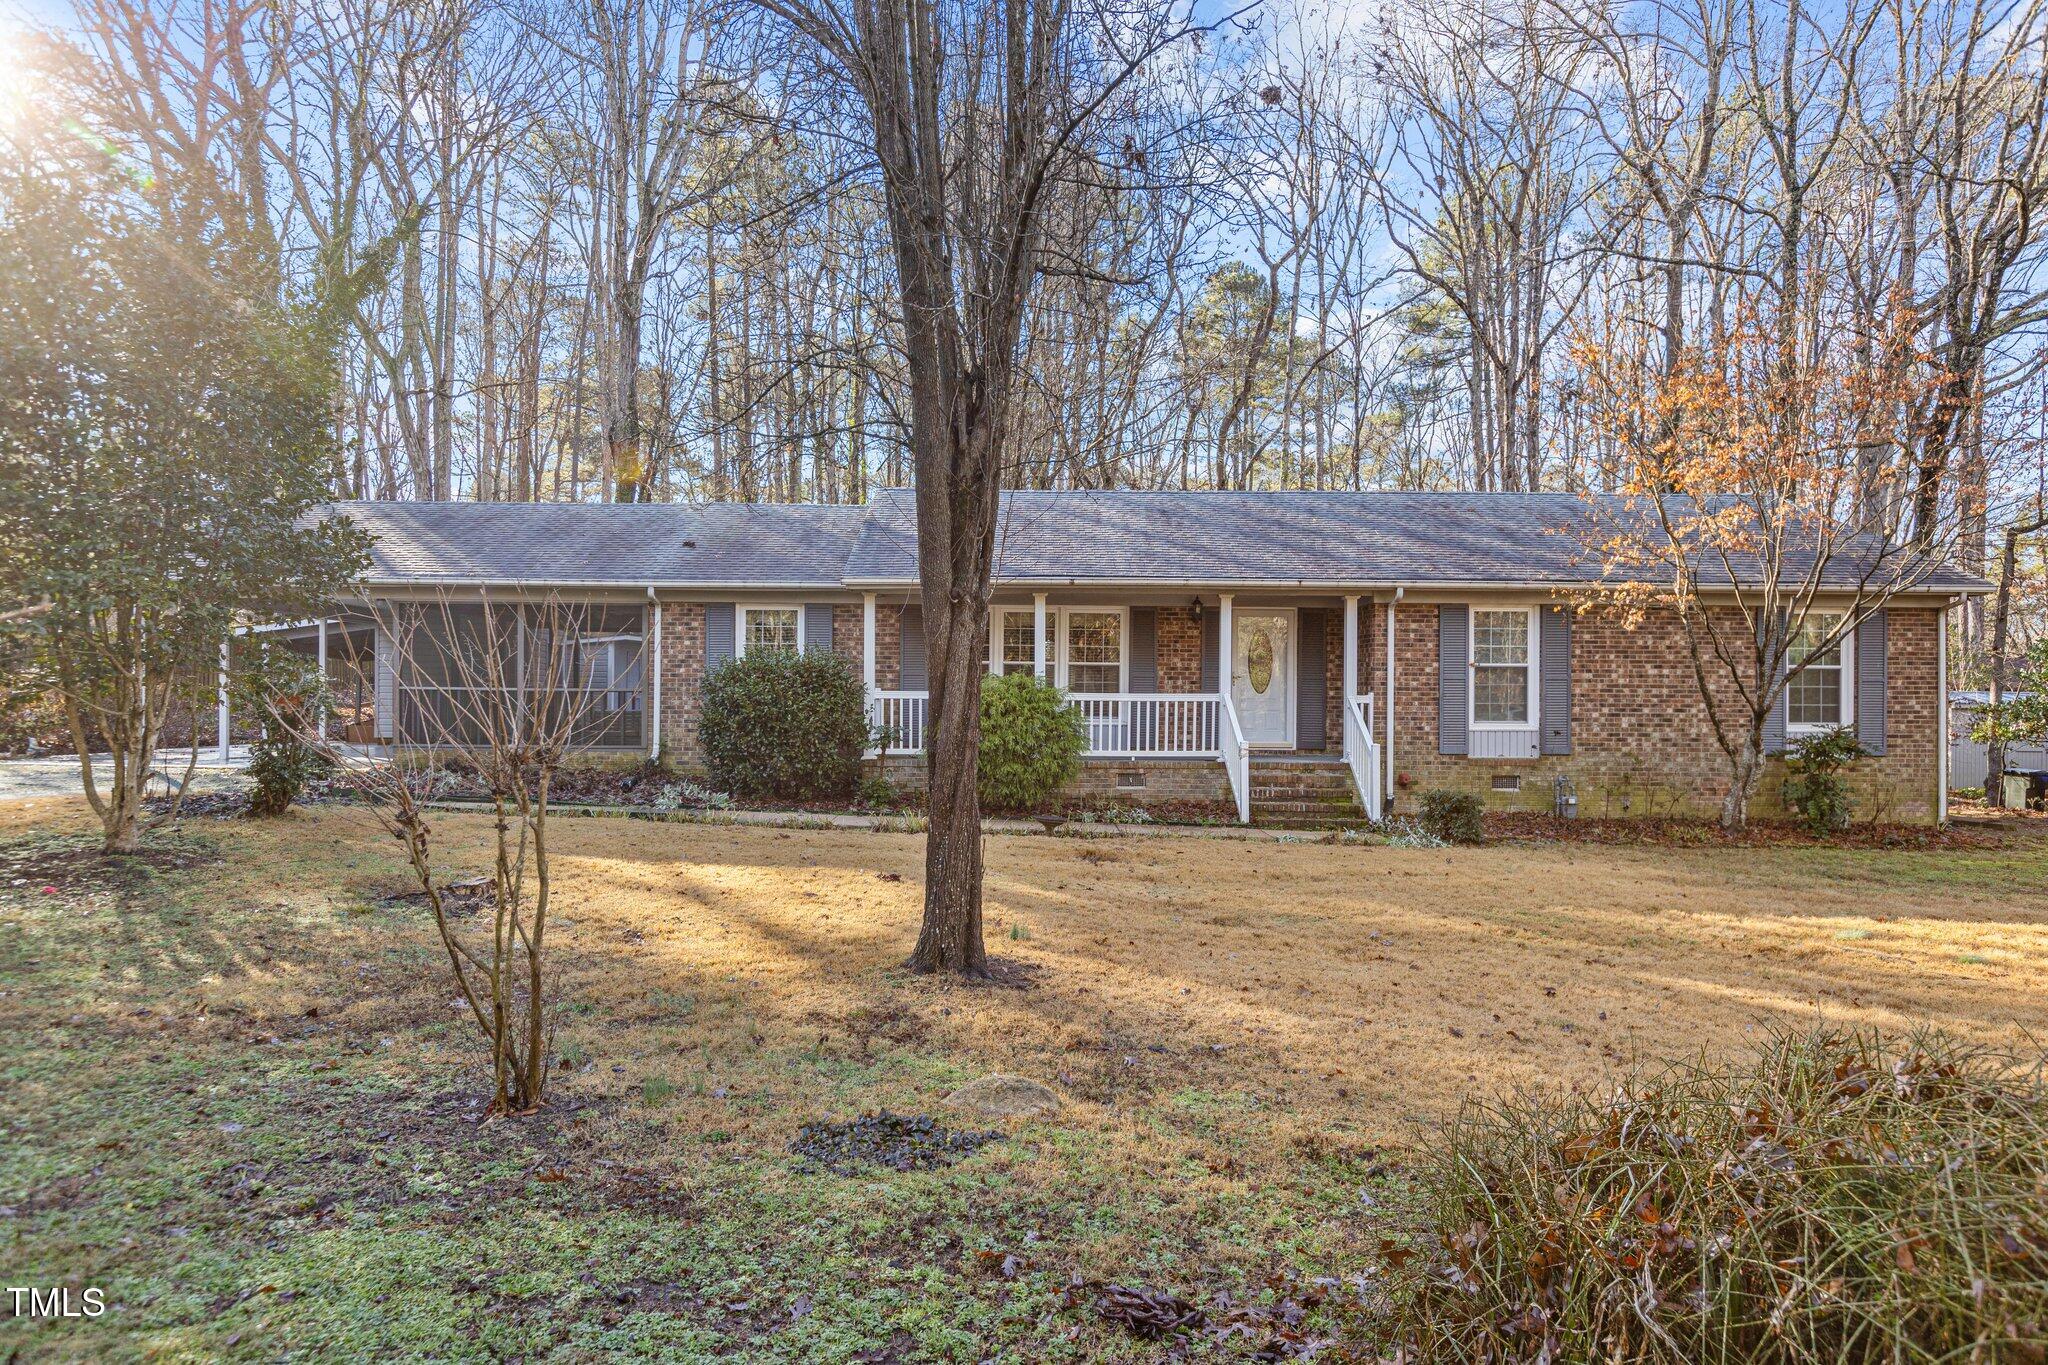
1004,1097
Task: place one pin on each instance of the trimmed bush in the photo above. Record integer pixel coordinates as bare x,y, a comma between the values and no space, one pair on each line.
1829,1197
1031,742
784,726
1816,791
1452,817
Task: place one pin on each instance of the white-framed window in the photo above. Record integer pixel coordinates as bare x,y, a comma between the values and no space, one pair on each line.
1503,653
771,627
1087,649
1822,694
1092,649
1010,640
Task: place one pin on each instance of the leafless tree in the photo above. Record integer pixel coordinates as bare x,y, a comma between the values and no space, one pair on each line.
975,112
507,687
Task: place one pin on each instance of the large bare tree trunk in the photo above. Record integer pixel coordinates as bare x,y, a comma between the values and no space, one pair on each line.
975,110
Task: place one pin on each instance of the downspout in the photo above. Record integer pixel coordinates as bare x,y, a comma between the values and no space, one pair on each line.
654,721
1389,746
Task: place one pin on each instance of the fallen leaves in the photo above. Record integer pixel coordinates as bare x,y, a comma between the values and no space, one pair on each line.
900,1142
1274,1327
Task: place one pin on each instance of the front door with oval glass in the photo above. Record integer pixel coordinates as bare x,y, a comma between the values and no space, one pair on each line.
1262,675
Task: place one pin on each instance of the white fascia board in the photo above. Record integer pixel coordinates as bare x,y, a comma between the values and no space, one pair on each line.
1361,586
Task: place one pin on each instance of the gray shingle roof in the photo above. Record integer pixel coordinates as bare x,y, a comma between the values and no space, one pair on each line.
1285,538
1268,539
708,544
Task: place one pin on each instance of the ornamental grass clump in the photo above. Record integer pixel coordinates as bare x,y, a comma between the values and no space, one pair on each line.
1831,1197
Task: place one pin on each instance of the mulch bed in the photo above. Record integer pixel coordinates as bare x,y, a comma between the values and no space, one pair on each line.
901,1142
202,805
1158,812
1673,832
641,787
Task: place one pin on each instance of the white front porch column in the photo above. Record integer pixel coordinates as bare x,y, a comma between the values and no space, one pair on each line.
1224,642
867,641
1387,702
321,636
1038,635
221,716
1350,649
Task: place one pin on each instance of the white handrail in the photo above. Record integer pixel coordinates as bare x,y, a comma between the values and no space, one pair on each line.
1130,725
1363,754
904,714
1149,724
1237,760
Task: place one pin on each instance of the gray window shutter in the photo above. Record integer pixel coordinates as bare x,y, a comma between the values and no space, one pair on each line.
1311,703
1144,650
1774,724
1871,663
914,676
1453,662
1212,651
718,635
1554,643
1144,717
817,627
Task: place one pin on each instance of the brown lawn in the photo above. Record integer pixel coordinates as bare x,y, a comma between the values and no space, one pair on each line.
1380,983
1242,1032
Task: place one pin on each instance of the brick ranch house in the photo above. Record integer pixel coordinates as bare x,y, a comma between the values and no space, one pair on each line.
1232,647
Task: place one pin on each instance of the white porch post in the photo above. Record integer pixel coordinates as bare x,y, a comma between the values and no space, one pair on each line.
1350,648
1038,635
867,641
1388,747
322,638
220,719
654,702
1223,642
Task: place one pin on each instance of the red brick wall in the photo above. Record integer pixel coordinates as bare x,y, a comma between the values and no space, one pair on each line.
682,683
1177,635
682,668
1333,680
888,648
1641,740
846,628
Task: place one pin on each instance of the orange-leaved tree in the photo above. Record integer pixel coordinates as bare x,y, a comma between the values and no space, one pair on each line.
1735,512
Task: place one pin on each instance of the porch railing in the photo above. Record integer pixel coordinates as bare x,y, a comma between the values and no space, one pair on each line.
903,715
1236,754
1362,752
1119,724
1149,724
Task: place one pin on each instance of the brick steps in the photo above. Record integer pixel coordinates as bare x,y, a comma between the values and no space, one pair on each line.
1303,794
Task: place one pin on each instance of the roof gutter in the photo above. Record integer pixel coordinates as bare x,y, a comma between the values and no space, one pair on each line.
1359,585
626,585
637,586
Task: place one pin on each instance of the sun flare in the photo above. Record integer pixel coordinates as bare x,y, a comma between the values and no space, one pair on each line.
17,76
